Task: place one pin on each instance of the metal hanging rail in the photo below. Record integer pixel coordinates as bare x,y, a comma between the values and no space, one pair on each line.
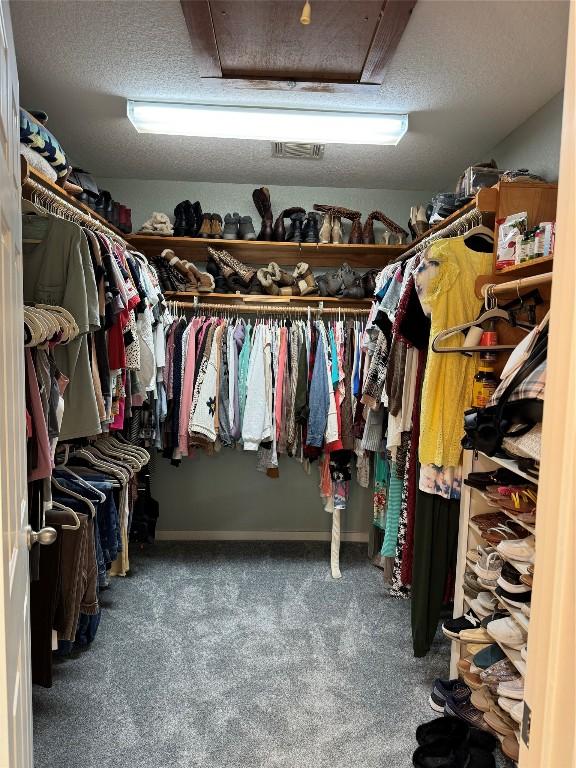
267,308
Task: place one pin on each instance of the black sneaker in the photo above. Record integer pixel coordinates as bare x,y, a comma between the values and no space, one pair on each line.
509,580
442,689
515,598
453,627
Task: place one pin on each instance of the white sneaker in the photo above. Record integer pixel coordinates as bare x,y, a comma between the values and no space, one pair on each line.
507,632
506,704
517,711
512,689
522,550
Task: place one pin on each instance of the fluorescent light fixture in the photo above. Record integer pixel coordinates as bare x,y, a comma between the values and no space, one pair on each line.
267,124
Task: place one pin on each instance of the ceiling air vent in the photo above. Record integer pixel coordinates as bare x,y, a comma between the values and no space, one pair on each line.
294,150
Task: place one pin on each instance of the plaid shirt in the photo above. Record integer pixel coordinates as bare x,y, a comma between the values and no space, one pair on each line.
532,388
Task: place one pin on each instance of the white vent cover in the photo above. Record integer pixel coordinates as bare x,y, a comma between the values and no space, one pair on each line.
294,150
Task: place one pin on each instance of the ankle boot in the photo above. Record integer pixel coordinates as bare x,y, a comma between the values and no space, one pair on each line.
206,227
216,225
246,228
310,230
368,231
193,218
336,229
325,234
422,224
355,237
267,282
204,280
180,222
295,232
279,232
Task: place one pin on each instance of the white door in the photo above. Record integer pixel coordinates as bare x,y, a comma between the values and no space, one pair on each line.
15,686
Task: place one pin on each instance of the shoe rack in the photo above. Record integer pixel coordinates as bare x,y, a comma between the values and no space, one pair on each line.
262,251
474,503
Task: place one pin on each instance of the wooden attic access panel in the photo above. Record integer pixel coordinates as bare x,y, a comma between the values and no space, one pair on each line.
262,40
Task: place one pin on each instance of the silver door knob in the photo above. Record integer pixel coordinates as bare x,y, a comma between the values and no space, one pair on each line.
43,536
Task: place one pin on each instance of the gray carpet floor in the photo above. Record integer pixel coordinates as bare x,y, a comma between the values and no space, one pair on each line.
241,655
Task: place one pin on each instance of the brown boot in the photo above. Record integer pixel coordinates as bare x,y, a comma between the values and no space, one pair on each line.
206,226
280,276
305,279
267,282
204,281
216,225
229,265
169,256
368,231
261,198
388,223
356,234
279,232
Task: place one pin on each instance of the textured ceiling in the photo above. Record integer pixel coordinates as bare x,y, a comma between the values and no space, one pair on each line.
467,71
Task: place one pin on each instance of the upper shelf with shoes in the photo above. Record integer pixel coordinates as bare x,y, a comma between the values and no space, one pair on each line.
263,251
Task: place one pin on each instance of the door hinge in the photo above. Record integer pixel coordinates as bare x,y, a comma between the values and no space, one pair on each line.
526,723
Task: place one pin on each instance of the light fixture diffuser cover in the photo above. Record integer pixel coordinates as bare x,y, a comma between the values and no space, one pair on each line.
267,124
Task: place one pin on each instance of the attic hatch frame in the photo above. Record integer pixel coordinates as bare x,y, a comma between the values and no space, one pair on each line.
390,26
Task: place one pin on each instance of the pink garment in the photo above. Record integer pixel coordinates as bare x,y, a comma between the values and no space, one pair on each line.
43,466
187,387
118,422
280,380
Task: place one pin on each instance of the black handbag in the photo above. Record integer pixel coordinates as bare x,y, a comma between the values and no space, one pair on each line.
485,428
84,179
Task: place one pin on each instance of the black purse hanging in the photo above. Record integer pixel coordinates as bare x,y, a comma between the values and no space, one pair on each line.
485,428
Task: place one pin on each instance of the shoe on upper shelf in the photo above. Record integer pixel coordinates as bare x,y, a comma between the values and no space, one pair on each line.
295,234
525,608
522,550
157,224
513,688
511,748
524,652
517,711
231,226
441,689
311,228
506,704
501,476
517,599
507,632
498,673
478,635
490,654
216,226
511,580
489,565
206,226
484,604
452,627
246,228
482,699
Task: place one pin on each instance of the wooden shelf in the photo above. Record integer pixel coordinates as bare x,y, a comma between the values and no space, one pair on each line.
28,172
511,465
256,298
263,251
526,268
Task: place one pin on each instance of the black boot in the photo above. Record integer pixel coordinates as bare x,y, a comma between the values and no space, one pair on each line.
311,229
194,218
181,220
295,232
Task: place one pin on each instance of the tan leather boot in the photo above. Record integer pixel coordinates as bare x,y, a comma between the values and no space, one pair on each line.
337,229
206,226
326,229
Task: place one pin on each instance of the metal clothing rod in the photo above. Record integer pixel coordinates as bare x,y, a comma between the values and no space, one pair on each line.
267,309
516,285
456,226
41,194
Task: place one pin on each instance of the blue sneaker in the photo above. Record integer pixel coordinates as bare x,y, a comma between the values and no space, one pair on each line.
443,689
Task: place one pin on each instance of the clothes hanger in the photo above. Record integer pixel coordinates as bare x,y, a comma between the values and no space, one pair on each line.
56,505
492,314
81,481
74,495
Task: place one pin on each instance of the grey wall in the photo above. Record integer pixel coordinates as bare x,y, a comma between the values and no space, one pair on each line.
225,492
535,144
147,196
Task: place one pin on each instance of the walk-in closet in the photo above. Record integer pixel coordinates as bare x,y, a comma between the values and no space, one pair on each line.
288,383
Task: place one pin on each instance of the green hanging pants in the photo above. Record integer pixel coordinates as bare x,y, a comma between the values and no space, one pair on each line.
435,548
